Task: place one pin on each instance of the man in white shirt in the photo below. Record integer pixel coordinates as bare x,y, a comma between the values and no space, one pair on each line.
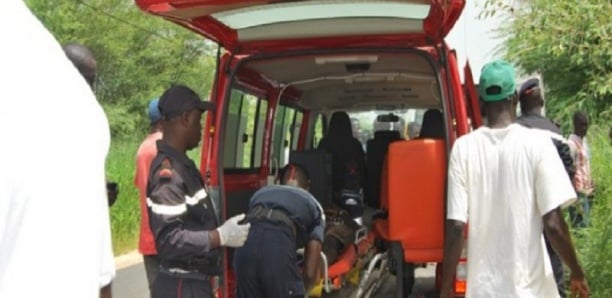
508,182
54,222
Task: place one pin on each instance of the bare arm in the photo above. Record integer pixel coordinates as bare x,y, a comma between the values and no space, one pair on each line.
312,259
452,252
105,292
557,232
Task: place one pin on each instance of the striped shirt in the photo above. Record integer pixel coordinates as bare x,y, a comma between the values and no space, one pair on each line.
582,159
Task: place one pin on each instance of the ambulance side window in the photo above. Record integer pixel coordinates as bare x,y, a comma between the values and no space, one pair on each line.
244,127
295,129
287,123
319,131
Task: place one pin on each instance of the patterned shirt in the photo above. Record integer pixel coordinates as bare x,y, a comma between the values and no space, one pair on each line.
582,159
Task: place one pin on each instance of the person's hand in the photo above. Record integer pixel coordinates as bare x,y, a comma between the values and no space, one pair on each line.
578,287
233,234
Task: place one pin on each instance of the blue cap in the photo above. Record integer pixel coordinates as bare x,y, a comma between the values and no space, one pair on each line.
154,113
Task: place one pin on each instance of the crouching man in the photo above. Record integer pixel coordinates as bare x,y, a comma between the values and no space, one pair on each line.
283,218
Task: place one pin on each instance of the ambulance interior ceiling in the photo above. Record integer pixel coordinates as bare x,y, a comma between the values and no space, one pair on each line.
353,82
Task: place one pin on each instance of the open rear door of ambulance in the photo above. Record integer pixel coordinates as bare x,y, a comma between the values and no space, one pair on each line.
471,96
247,27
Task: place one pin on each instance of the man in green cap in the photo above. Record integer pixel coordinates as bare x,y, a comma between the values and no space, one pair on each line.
508,182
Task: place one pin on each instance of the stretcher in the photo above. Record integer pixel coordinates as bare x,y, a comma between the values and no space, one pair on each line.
359,266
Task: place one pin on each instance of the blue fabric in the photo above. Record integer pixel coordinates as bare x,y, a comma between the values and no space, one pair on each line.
300,205
266,266
153,112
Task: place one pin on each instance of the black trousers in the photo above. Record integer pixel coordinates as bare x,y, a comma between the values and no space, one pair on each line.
266,266
170,285
151,264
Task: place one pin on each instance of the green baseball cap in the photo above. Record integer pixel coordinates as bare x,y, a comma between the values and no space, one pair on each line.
496,81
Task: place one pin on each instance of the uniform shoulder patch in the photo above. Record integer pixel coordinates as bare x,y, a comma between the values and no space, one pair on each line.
165,171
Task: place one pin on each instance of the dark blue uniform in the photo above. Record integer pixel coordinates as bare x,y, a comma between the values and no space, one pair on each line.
283,219
181,214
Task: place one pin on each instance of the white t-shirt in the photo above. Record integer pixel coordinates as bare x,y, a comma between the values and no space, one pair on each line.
501,182
54,221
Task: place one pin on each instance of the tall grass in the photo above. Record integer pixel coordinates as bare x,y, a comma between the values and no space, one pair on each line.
125,214
594,243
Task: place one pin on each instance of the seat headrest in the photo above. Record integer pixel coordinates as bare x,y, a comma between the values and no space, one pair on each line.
433,125
387,134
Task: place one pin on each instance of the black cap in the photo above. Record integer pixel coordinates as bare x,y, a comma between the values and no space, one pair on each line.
528,85
179,99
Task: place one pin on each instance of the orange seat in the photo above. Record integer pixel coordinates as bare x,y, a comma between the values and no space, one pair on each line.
413,184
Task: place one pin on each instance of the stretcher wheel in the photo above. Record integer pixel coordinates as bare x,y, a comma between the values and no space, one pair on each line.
404,272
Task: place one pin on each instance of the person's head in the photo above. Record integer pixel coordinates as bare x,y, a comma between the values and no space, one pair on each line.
340,125
355,127
414,129
154,114
295,175
84,60
497,91
181,110
581,123
530,96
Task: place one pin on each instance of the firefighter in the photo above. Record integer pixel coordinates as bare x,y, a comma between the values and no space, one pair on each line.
183,217
284,218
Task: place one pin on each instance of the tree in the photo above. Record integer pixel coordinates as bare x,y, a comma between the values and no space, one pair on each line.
138,55
570,44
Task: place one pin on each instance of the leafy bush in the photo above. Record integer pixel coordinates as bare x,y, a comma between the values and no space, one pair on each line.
569,44
594,244
125,214
138,55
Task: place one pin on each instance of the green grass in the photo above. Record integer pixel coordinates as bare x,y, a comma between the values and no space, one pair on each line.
125,214
594,244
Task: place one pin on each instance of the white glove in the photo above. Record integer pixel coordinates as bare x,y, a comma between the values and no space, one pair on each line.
233,234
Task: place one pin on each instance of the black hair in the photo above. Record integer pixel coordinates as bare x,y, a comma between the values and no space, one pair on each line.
531,99
580,115
83,59
340,126
294,171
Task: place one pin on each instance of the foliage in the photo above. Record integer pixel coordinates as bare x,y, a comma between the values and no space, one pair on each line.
138,55
125,214
594,244
569,43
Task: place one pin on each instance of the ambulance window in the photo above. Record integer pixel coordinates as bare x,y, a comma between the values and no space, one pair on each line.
318,131
243,131
287,123
297,125
260,126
